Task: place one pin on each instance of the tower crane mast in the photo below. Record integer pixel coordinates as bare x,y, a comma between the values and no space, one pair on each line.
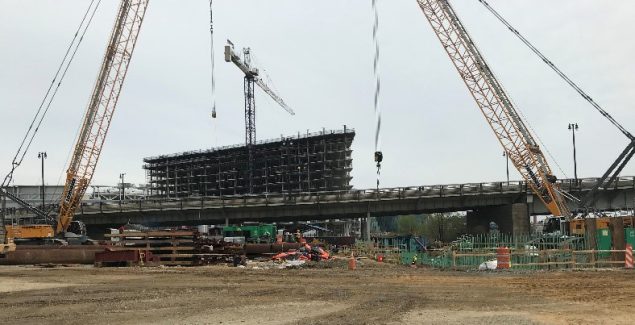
252,77
499,111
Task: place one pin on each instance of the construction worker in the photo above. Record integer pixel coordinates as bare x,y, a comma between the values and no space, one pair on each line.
414,260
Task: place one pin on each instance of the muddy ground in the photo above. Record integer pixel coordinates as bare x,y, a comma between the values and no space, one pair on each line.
328,294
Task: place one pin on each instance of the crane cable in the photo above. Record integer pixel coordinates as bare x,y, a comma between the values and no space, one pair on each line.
378,154
558,71
211,32
44,105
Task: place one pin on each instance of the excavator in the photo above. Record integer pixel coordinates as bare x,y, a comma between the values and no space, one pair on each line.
90,141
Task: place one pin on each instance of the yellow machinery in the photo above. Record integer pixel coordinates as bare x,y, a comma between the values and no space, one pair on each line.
498,109
29,231
96,122
577,227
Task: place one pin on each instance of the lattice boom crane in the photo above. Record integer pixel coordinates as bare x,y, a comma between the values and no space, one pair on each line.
494,103
101,108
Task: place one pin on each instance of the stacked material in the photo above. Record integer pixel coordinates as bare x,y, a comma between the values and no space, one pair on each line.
173,247
304,253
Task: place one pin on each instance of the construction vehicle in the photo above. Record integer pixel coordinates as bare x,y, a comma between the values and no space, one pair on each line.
251,233
577,226
509,128
92,134
499,111
252,77
6,242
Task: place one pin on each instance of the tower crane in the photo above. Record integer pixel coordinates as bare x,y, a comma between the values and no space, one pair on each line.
252,76
499,111
96,122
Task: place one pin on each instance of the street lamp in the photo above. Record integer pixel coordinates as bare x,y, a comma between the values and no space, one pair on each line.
574,127
507,158
42,156
123,188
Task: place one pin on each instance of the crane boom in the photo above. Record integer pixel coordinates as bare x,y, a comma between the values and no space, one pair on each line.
273,95
252,72
494,103
101,107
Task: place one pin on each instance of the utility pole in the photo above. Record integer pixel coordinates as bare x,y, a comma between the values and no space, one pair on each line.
42,156
123,188
574,127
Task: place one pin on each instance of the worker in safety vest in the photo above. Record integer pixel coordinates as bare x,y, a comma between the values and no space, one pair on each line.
414,260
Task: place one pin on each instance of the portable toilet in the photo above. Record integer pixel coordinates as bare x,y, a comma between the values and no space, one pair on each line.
604,242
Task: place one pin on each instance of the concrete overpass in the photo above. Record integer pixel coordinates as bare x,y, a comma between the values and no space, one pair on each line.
486,202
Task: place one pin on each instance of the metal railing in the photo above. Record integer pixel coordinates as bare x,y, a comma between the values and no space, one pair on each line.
348,196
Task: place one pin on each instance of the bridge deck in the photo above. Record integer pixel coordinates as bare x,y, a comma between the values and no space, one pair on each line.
352,203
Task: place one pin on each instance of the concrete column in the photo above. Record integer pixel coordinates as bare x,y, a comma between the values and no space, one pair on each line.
347,228
366,230
512,218
226,222
520,218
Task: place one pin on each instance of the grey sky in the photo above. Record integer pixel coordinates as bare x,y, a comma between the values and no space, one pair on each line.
319,55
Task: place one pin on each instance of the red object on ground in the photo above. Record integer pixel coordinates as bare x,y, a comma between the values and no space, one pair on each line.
352,263
380,258
628,257
503,257
125,258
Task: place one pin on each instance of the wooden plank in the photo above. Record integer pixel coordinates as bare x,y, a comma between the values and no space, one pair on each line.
154,241
203,255
173,255
541,264
175,263
153,234
171,248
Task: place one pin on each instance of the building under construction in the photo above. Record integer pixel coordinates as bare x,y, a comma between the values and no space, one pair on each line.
318,161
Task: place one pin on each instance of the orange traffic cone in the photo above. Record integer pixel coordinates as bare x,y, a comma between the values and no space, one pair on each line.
352,263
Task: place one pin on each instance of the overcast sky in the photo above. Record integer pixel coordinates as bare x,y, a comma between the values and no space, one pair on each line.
319,55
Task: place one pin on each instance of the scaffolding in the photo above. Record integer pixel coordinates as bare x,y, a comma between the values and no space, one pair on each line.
309,162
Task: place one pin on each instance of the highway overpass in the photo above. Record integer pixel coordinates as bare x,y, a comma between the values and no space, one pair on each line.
486,201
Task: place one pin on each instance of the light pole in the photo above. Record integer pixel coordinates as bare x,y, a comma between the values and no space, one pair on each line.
574,127
123,188
507,158
42,156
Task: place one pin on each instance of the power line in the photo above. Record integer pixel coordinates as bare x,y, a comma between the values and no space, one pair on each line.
48,100
558,71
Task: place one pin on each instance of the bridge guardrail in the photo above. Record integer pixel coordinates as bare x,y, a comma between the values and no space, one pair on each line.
364,195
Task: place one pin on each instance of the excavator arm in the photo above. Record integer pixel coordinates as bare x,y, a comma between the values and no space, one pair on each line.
494,103
101,108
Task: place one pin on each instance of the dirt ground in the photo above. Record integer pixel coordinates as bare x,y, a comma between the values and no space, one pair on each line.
325,294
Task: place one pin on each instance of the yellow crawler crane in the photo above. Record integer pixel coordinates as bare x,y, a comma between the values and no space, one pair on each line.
494,103
94,128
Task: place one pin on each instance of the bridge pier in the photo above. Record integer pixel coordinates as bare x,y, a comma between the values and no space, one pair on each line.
513,218
366,227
